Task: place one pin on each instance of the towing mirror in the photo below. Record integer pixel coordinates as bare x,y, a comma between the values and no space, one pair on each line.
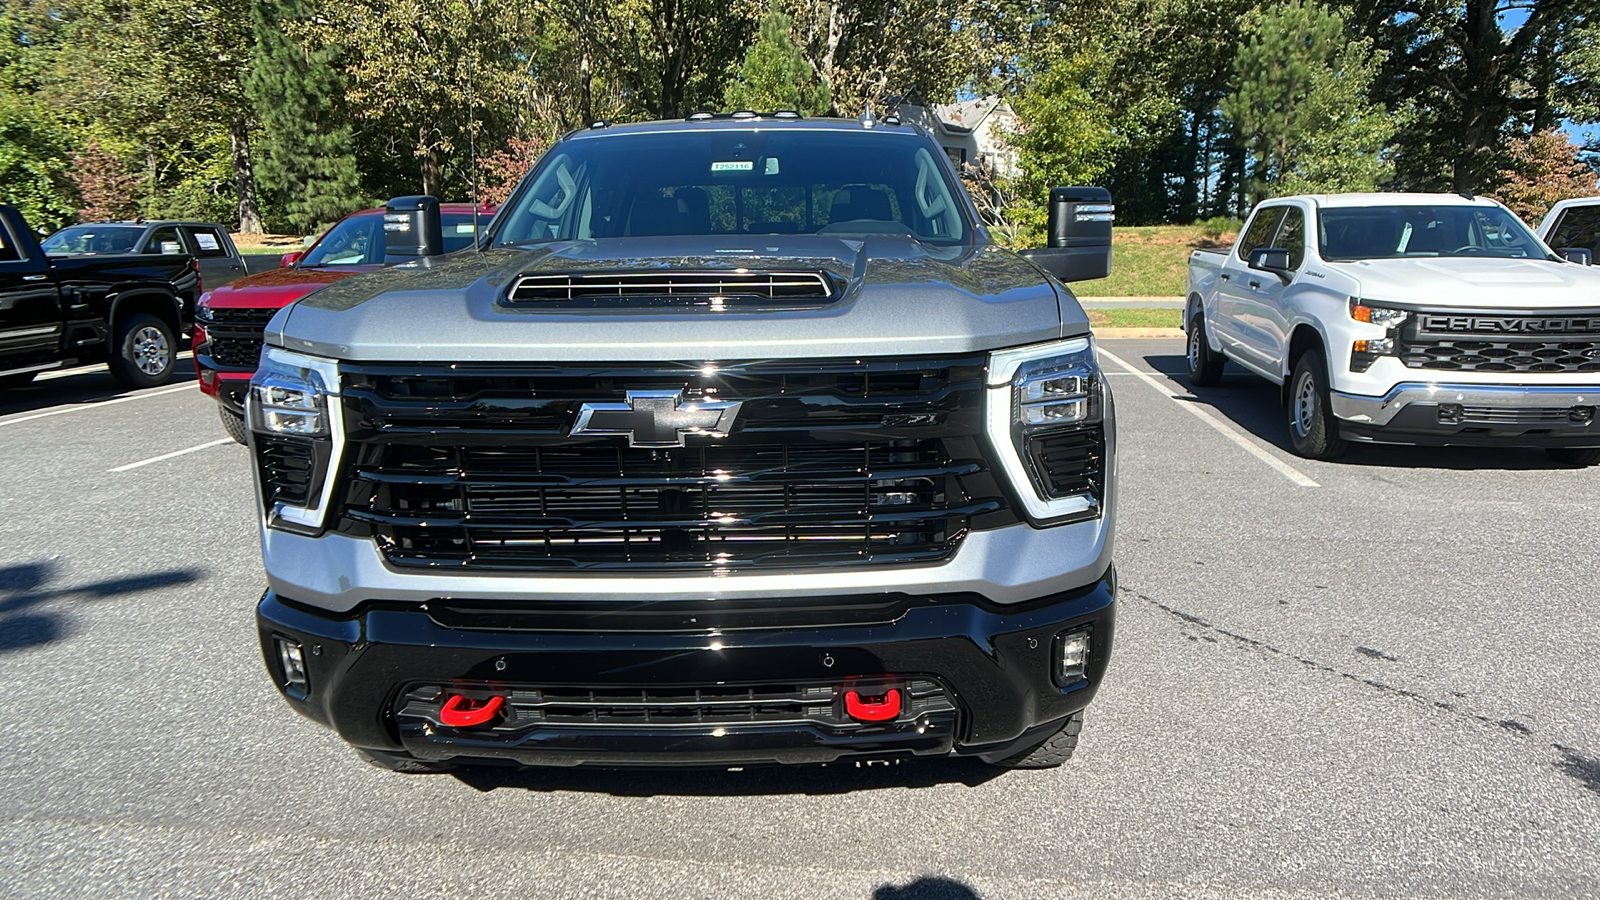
1579,255
1079,234
288,260
412,227
1272,260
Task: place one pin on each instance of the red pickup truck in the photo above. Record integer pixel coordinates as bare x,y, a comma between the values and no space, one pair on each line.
229,321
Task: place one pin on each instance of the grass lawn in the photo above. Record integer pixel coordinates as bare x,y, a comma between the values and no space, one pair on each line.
1135,318
1149,261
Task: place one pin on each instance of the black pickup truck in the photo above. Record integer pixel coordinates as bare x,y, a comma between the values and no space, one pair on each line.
127,310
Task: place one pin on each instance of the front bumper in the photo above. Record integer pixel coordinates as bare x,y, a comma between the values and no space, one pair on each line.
1472,415
985,672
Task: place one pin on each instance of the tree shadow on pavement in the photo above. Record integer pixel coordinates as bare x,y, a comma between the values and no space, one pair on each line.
80,389
926,888
835,778
25,587
1253,404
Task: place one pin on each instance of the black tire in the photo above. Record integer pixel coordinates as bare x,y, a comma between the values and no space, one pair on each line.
400,762
233,424
1575,456
22,379
1052,751
1313,431
1205,364
146,352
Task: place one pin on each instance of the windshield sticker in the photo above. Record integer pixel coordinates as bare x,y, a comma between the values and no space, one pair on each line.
737,165
466,228
206,241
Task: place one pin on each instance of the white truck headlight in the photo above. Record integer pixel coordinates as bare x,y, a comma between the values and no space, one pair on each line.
297,436
1383,316
1046,418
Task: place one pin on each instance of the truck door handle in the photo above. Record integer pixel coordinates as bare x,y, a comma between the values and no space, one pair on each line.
1225,276
34,277
1254,285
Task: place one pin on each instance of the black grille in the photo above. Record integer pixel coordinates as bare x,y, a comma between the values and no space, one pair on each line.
829,462
1539,415
1069,463
288,468
634,289
729,706
1511,342
235,335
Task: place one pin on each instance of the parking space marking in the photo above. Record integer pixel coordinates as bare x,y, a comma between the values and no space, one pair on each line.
121,398
93,367
175,453
1223,428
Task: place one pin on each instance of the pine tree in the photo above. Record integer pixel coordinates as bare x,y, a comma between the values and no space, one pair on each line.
1299,103
775,74
307,159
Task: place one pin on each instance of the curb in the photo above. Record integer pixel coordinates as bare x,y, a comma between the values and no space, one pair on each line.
1138,332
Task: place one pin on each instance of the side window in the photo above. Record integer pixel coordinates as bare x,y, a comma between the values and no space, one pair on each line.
1578,227
164,241
8,247
1261,230
208,242
1292,236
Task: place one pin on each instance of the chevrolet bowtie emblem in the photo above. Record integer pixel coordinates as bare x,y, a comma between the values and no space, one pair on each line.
657,418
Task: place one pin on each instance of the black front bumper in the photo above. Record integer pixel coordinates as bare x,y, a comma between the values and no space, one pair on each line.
1420,424
982,673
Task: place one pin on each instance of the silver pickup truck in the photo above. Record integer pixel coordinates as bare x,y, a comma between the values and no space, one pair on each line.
739,441
1429,319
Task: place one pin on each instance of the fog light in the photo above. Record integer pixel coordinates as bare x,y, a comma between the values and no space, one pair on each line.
1072,657
1376,346
1449,414
295,680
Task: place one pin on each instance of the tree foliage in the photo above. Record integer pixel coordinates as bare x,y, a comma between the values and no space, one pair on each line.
1298,103
1543,168
775,74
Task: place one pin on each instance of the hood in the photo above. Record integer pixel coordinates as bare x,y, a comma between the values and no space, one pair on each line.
1477,282
896,296
277,287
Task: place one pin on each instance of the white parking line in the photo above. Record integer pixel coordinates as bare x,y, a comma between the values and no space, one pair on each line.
1226,430
122,398
164,456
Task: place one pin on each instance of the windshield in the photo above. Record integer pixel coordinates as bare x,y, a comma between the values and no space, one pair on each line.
93,239
1406,232
359,240
726,182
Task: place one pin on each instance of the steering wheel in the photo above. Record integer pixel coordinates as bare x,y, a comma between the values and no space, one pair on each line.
1470,250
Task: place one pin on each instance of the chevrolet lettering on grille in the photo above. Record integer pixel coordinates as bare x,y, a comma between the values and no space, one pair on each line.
1510,325
657,418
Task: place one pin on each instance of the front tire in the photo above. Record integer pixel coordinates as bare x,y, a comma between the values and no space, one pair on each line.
1052,751
1205,364
1313,431
7,382
1575,456
145,352
234,425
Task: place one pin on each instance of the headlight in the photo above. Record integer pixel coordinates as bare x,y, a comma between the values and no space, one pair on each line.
297,436
202,307
1046,417
1361,311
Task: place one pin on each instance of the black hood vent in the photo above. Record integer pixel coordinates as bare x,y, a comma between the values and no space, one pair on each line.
634,289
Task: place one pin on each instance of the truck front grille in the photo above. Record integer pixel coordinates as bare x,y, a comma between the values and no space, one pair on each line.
828,463
1527,341
235,336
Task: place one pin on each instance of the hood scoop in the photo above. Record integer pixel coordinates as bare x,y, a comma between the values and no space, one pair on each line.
633,289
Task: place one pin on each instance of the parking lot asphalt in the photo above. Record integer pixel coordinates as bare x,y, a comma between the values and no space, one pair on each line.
1375,677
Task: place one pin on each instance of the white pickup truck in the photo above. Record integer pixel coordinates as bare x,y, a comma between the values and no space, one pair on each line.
1573,225
1429,319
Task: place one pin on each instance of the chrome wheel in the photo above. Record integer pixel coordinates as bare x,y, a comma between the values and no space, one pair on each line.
1305,404
151,352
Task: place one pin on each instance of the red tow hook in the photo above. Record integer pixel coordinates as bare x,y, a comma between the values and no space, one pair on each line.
872,709
465,712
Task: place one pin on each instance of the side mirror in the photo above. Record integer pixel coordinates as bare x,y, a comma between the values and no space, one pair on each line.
412,227
1272,260
288,260
1577,255
1079,234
